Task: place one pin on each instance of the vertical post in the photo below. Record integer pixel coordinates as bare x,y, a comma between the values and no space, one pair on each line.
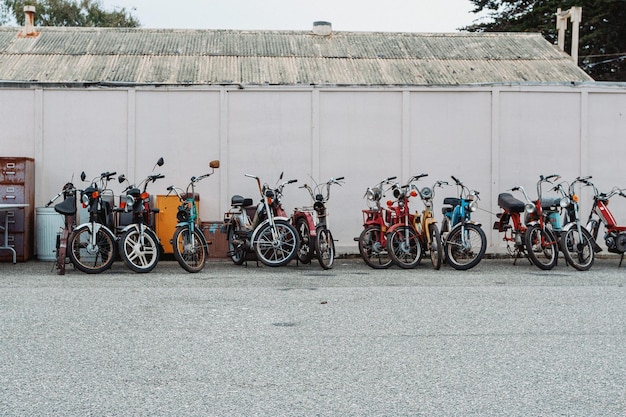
576,14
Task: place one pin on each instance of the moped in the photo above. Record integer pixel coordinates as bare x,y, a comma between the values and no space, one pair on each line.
269,234
372,241
139,245
92,246
615,235
190,247
427,227
315,238
577,244
404,241
464,240
67,208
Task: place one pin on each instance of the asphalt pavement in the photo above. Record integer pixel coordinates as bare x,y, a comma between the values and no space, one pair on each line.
498,340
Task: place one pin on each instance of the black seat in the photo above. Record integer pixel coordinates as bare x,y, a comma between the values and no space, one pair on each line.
510,203
550,202
238,200
453,201
67,207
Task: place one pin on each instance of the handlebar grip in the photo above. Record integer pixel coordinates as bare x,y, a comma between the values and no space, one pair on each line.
339,179
49,203
455,179
158,177
515,189
291,181
170,188
391,178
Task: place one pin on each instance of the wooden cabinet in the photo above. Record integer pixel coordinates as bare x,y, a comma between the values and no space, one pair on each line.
17,186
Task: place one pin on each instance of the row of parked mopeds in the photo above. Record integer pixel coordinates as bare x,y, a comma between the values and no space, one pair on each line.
537,229
392,233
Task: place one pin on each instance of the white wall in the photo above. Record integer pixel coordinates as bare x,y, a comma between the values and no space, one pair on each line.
492,138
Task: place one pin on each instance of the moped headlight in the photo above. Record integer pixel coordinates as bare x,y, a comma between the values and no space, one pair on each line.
565,201
130,200
473,206
529,207
85,199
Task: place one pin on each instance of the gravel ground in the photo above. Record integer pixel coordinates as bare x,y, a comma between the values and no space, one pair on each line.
500,339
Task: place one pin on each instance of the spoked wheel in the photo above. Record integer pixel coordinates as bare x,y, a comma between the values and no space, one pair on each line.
189,249
372,249
465,246
436,248
404,247
578,251
236,246
276,250
305,245
542,247
140,252
92,256
325,248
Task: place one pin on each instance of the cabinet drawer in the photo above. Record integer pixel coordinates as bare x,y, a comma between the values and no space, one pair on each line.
12,170
16,241
16,220
12,193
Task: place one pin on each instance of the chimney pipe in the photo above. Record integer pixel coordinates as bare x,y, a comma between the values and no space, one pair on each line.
28,31
321,28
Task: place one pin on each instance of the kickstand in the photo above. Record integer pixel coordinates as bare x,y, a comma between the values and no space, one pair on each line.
620,260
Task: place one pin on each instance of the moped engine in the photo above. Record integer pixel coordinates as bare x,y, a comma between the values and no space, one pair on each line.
616,242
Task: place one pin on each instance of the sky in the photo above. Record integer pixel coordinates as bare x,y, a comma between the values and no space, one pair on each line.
344,15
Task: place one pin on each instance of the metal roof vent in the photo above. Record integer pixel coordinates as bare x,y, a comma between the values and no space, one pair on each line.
321,28
28,31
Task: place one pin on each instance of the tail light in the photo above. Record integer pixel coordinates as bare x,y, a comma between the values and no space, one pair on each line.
413,193
389,203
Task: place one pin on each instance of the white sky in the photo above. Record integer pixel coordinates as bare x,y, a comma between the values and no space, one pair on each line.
345,15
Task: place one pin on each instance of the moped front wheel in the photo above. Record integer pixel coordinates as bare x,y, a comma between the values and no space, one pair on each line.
189,249
373,248
578,251
276,249
91,254
404,247
542,247
140,251
325,248
465,246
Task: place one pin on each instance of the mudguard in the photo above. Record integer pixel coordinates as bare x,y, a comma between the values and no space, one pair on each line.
309,219
263,223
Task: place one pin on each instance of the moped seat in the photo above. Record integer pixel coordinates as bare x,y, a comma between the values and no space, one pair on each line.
510,203
67,207
453,201
238,200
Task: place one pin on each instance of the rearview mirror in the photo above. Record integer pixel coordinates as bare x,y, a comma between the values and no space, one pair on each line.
83,176
214,164
160,162
121,178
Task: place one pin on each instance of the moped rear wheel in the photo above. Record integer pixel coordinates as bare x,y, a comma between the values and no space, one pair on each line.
578,252
465,246
542,247
140,253
436,248
372,248
236,246
88,257
189,249
325,248
404,247
276,250
305,245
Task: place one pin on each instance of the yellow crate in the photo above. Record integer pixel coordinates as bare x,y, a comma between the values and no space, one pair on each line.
166,219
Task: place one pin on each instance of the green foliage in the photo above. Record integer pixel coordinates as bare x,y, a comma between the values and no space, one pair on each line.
81,13
602,52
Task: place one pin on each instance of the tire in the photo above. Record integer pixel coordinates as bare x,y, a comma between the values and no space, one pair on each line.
436,247
372,250
92,260
578,252
465,253
542,247
305,245
404,247
280,251
325,248
189,249
137,255
236,248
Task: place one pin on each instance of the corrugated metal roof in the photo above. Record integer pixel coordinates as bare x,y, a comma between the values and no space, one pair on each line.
168,56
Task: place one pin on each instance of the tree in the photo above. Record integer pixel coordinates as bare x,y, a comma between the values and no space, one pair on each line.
82,13
602,50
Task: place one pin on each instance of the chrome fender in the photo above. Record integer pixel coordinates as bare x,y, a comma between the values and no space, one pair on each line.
260,226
